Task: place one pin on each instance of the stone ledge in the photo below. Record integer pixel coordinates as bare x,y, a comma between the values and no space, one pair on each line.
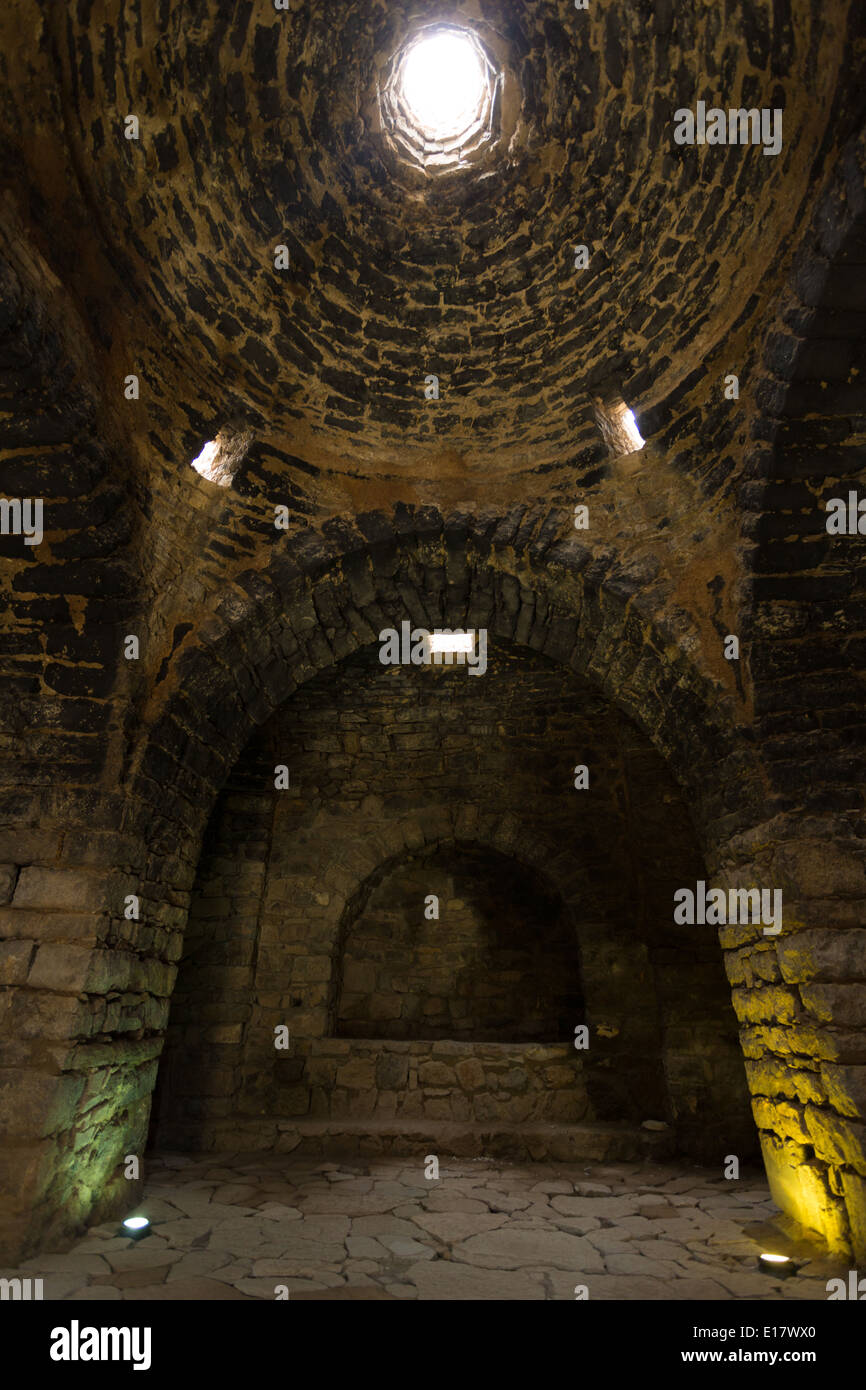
461,1082
529,1142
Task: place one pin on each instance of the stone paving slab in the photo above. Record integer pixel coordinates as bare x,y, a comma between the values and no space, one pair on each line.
484,1230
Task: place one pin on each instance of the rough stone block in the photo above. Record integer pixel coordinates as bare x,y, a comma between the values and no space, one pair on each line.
224,1033
8,878
392,1072
854,1192
781,1117
436,1074
846,1088
776,1004
295,1100
35,1104
385,1006
437,1107
311,968
836,1139
822,869
823,955
768,1076
63,888
357,1075
470,1074
801,1188
64,968
15,958
842,1004
320,1071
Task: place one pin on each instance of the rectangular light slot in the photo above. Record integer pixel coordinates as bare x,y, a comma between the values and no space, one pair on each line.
221,457
629,428
451,642
206,461
618,426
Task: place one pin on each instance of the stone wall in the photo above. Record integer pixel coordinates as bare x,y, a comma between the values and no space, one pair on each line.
169,870
524,1102
802,999
499,961
419,772
460,1081
456,510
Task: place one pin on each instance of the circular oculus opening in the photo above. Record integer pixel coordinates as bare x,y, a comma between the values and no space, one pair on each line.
443,83
439,102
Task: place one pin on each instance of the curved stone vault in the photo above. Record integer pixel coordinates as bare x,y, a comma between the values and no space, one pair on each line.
273,259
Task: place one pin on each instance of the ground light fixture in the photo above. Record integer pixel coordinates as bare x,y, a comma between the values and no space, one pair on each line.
779,1265
135,1227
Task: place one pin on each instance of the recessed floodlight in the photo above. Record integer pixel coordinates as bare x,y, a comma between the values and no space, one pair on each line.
135,1227
443,82
780,1265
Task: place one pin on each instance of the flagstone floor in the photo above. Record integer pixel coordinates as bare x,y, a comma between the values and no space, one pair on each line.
243,1226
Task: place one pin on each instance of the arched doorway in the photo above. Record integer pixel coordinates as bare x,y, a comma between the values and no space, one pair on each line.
411,786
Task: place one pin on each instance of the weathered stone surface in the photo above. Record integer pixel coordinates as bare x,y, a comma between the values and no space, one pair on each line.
332,1253
456,510
441,1279
451,1228
15,958
609,1208
516,1249
193,1289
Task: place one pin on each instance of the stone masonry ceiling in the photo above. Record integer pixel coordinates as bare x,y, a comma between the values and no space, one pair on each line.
261,128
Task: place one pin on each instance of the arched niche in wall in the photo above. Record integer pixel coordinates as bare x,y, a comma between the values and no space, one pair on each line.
458,942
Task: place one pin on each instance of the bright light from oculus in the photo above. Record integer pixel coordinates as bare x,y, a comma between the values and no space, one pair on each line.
452,642
443,82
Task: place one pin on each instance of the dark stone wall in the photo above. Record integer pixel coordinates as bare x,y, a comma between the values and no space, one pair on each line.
385,761
806,605
498,962
156,258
